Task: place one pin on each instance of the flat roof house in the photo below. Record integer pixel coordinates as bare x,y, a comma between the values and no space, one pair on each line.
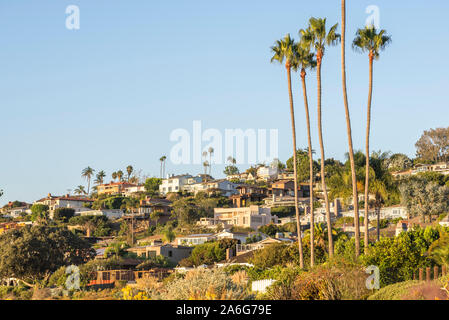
195,239
171,252
247,217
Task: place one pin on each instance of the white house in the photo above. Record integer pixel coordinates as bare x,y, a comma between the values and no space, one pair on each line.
195,239
267,173
109,213
78,203
133,190
173,183
248,217
225,187
232,235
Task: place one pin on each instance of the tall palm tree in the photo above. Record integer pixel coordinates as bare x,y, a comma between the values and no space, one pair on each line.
129,171
205,165
80,190
379,189
114,175
355,197
87,173
232,160
132,205
284,49
305,59
317,36
100,177
211,151
371,41
119,175
162,160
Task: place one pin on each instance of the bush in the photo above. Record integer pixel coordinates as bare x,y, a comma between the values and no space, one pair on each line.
395,291
398,258
204,284
338,280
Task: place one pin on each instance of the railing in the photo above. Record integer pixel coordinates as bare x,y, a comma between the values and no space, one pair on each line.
261,285
243,248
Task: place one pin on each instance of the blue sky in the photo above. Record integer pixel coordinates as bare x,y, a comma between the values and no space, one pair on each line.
109,94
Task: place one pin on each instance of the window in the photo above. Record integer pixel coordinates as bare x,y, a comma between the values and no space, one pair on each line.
170,253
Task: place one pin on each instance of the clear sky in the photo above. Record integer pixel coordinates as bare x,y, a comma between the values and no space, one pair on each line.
109,94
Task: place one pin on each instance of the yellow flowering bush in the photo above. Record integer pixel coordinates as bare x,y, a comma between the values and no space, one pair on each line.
130,293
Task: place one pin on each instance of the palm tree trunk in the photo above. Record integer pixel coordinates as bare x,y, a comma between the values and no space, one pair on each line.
309,139
88,185
378,223
349,131
368,125
292,115
323,179
161,168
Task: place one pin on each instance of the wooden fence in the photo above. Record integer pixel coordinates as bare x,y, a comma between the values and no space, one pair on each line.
427,274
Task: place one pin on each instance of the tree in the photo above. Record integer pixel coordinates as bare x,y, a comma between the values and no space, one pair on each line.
80,190
129,171
114,175
372,41
168,235
424,198
285,50
305,59
231,169
119,175
185,210
316,36
205,165
211,151
348,129
39,212
433,145
33,253
63,214
152,186
303,165
87,173
1,192
131,205
100,177
398,161
162,160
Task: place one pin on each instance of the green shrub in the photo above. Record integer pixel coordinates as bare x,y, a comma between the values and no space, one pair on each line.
394,291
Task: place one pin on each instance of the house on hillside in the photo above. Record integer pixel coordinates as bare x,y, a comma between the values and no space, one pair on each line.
114,188
174,183
267,173
248,217
174,253
109,213
248,193
195,239
78,203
